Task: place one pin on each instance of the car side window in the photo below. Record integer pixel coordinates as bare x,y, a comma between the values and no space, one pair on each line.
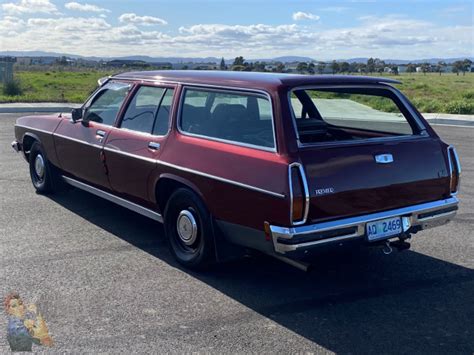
235,117
106,104
140,114
149,110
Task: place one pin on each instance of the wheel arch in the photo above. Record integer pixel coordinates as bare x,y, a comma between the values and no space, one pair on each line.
167,184
27,142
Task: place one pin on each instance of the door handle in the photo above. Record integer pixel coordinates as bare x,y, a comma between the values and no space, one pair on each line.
154,145
100,133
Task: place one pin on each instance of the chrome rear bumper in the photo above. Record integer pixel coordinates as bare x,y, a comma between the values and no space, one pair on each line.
16,146
414,218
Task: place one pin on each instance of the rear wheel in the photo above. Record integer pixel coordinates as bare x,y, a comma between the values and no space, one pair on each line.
41,172
189,230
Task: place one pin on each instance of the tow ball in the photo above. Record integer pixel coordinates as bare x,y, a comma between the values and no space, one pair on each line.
400,244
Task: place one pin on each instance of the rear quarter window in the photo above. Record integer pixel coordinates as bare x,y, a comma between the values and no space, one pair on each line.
234,117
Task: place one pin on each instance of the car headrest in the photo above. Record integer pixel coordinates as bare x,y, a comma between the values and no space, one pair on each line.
229,113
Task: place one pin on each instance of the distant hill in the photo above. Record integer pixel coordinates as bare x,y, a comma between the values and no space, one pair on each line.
406,61
148,59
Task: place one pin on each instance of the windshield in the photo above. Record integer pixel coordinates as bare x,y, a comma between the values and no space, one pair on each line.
339,114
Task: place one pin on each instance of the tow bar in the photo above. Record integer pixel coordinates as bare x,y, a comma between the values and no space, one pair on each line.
401,244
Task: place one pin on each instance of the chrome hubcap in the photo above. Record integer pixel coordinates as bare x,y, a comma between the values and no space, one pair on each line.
39,166
187,227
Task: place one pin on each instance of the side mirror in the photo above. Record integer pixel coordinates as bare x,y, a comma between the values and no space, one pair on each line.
76,114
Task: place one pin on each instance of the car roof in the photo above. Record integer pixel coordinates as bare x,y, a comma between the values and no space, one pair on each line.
250,80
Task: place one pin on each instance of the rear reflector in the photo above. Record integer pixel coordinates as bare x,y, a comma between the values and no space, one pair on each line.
299,194
455,170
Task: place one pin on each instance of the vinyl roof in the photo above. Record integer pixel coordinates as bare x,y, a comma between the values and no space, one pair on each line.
250,79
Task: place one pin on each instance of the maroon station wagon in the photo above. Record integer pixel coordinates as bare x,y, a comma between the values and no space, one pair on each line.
236,161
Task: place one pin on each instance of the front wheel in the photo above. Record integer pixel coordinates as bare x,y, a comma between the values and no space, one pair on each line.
41,171
188,228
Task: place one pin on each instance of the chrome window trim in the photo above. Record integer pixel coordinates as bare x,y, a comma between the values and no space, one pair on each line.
115,199
458,166
225,89
390,88
306,193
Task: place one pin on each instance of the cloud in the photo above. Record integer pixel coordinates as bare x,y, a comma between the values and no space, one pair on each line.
298,16
84,7
383,37
141,20
30,6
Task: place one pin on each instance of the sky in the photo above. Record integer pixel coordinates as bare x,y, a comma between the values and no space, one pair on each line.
322,30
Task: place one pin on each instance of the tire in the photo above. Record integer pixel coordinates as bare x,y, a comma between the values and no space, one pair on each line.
43,175
188,228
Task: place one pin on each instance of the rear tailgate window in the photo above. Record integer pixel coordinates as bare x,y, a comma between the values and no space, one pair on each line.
349,114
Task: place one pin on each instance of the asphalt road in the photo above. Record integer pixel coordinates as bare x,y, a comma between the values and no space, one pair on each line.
105,282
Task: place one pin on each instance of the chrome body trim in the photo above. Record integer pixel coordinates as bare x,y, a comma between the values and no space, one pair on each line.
115,199
108,148
458,166
197,172
225,89
218,178
305,190
98,146
412,216
34,129
397,93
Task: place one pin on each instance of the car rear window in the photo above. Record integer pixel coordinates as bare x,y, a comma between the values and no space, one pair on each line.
235,117
335,114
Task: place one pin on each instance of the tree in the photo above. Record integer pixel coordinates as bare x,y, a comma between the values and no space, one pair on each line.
344,67
311,68
439,68
239,61
222,66
354,67
280,68
411,68
370,65
302,67
334,67
394,69
259,66
466,66
320,67
425,68
379,65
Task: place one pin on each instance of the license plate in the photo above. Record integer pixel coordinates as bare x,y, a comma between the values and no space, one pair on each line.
384,228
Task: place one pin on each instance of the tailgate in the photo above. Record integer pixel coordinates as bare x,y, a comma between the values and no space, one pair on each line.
346,180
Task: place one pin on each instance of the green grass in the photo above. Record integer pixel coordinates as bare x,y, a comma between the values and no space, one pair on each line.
447,93
54,86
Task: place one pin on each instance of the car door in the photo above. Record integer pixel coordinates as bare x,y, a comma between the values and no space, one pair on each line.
132,148
79,144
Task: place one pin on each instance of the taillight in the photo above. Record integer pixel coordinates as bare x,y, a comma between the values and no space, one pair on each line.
454,169
299,194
